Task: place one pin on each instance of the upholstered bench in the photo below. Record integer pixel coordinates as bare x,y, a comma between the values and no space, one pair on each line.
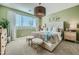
49,46
36,42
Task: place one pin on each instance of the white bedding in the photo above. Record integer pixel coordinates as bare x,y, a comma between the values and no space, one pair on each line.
40,34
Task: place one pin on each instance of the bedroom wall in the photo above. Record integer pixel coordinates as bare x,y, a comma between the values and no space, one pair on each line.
70,14
9,14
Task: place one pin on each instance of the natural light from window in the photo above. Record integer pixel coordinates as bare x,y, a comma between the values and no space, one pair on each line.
25,21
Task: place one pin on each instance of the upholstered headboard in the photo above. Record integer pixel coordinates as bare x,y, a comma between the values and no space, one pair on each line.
55,25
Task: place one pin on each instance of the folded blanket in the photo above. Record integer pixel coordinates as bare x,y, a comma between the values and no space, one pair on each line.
47,35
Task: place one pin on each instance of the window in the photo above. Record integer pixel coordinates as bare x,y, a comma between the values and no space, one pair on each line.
18,20
25,21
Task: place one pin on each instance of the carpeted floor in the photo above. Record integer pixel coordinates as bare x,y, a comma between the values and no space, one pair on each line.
20,47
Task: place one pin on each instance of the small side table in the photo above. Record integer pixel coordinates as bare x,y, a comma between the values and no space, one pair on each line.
29,38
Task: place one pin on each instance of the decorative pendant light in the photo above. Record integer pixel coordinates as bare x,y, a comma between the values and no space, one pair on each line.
40,11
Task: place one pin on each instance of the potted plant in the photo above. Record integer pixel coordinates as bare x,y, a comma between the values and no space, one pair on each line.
4,23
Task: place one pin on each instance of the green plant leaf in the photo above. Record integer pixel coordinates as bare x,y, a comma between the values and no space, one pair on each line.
4,23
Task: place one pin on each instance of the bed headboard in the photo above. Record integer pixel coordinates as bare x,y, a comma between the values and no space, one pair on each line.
55,25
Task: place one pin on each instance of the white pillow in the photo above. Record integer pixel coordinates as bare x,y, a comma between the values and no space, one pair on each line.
54,29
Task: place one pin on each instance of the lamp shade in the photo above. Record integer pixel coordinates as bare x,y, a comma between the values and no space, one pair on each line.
40,11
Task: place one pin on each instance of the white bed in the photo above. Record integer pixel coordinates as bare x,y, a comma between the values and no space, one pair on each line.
49,45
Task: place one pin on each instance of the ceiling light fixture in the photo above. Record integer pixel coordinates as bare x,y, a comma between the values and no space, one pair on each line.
40,11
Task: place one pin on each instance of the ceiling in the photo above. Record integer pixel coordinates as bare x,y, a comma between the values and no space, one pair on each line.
50,7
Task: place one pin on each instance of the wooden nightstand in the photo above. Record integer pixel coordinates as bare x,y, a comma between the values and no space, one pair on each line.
68,35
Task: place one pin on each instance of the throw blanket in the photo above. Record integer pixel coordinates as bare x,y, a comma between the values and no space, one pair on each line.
47,35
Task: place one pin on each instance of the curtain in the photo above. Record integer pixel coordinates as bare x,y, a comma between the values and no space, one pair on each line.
12,28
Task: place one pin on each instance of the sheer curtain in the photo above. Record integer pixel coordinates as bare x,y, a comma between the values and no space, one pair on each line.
12,28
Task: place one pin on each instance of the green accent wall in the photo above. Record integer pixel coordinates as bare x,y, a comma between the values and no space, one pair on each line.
64,15
4,10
